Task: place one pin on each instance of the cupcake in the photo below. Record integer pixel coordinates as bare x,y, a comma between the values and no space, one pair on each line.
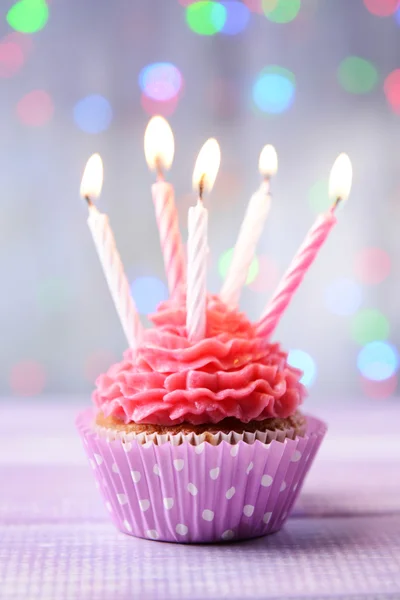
197,435
200,442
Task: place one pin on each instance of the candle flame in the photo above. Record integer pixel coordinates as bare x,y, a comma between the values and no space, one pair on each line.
268,162
340,178
92,179
159,144
206,167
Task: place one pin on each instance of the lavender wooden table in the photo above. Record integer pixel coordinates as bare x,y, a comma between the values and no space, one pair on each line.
56,542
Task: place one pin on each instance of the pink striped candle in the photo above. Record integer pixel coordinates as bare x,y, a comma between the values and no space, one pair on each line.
170,237
339,189
196,301
159,151
109,256
295,274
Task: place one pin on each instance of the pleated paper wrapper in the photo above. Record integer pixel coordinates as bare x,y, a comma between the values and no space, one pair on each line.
200,493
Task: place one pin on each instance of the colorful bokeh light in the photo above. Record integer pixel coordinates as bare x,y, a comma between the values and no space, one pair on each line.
382,8
27,378
11,58
274,90
254,6
35,109
93,114
369,325
343,297
378,361
148,292
392,90
161,81
281,11
372,265
303,361
357,75
153,107
237,17
28,16
225,261
379,390
206,18
318,197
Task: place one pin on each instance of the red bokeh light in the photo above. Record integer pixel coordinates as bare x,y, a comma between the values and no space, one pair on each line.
372,265
255,6
11,59
35,109
379,390
392,90
24,41
154,107
27,378
96,363
382,8
267,277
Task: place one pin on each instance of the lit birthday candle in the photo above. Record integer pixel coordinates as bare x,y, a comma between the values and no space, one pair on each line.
251,229
204,175
110,259
339,189
159,152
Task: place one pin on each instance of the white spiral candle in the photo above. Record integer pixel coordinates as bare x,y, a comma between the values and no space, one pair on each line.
110,259
197,273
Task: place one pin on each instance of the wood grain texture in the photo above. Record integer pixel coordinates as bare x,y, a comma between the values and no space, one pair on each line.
343,540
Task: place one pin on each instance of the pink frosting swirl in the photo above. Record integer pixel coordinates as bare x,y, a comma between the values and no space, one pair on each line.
230,373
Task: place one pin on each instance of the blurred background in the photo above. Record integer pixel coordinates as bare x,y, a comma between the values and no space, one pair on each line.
312,77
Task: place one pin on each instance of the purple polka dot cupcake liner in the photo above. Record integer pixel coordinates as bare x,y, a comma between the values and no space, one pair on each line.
199,493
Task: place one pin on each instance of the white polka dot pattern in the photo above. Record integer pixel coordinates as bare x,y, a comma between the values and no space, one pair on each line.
206,493
248,510
192,489
266,480
214,473
136,476
181,529
230,493
208,515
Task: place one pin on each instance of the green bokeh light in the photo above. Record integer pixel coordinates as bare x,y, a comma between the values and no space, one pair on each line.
357,75
225,261
28,16
370,325
281,11
318,196
206,18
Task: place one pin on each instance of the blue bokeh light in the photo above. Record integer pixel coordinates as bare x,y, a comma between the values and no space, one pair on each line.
303,361
93,114
273,93
148,292
397,16
237,17
378,361
343,296
161,81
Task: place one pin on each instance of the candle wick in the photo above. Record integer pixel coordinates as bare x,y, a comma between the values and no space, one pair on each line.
88,200
336,203
159,171
201,186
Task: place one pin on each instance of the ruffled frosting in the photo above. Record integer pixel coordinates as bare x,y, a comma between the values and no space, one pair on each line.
230,373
